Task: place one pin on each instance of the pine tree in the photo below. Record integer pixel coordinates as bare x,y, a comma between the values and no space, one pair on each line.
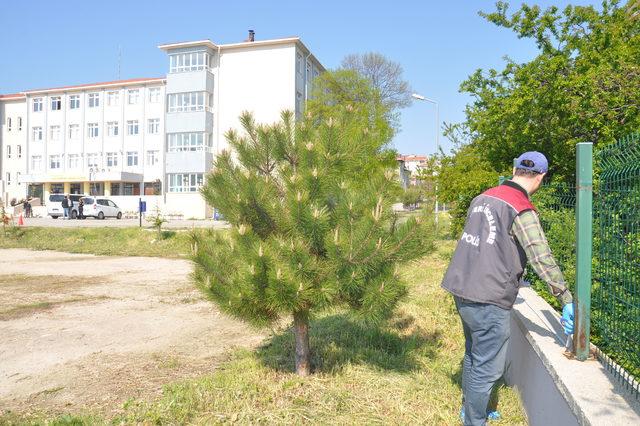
309,202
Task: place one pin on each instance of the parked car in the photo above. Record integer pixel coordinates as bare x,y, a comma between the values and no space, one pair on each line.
100,207
54,205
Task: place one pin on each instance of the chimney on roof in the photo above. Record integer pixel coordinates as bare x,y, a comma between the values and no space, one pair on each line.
252,36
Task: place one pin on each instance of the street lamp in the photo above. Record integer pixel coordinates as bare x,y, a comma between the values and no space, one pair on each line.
425,99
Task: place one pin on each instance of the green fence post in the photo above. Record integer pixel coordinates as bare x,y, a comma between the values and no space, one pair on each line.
584,243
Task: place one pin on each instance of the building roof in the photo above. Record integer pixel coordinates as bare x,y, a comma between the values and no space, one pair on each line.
240,45
412,157
12,96
180,44
127,82
168,46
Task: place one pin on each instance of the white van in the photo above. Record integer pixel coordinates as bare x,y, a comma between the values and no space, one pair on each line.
99,208
54,205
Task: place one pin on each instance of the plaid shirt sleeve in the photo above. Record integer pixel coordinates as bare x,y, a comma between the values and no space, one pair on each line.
528,231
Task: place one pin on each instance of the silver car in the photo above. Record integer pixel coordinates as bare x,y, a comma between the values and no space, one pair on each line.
100,207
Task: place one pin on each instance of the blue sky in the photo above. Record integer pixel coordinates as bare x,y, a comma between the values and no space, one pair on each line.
438,43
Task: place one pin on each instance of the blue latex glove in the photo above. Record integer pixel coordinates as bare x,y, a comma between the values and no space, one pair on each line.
567,318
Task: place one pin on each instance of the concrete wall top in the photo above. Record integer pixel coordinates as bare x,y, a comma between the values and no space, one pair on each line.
591,393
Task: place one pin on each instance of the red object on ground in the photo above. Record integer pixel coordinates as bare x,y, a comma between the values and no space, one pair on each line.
20,220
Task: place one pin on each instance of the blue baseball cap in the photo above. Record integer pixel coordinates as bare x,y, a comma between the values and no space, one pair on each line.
534,161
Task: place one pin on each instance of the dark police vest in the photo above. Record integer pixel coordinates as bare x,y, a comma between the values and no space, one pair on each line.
488,262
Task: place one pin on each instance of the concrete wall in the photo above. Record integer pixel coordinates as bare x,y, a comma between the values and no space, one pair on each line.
259,79
554,389
189,161
188,206
14,109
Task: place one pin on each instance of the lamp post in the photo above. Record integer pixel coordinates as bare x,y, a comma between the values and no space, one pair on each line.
425,99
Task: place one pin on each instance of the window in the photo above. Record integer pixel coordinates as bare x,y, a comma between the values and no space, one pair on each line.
75,188
131,188
36,162
74,161
19,149
153,188
112,159
8,124
152,158
37,104
299,63
92,160
74,131
94,100
56,103
179,142
8,151
18,178
54,161
132,158
112,128
133,96
193,61
74,101
184,182
93,130
36,133
190,101
19,123
298,102
8,178
132,127
112,98
154,126
154,95
54,133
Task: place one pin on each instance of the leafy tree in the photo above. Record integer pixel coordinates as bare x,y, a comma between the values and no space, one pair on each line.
412,196
310,207
584,85
386,76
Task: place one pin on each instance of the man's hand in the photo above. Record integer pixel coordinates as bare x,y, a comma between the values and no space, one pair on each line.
567,318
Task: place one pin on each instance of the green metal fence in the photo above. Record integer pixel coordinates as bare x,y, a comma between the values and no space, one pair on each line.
615,291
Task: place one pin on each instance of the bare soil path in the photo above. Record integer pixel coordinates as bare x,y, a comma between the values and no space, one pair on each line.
83,332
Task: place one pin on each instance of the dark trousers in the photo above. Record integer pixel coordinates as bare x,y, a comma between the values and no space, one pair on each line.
486,333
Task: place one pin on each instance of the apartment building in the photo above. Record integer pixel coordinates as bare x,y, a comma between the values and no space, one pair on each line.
152,138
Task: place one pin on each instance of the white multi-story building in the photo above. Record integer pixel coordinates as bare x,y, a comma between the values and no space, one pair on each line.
152,138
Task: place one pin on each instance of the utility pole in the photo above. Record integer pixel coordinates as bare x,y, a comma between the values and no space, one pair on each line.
119,60
425,99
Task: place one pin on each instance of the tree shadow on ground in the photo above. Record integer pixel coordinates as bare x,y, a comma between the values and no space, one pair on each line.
337,340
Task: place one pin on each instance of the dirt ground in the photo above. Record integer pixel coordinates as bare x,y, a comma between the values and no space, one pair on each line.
82,332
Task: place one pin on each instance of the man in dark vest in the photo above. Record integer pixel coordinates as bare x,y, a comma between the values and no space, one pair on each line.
501,234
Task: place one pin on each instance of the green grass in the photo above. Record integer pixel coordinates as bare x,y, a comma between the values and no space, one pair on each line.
103,241
407,372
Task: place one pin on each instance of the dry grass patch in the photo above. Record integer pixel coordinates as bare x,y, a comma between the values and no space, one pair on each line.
407,372
24,295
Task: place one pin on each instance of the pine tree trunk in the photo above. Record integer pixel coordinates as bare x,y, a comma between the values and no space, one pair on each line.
301,332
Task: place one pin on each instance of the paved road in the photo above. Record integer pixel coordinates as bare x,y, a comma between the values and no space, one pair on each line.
122,223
